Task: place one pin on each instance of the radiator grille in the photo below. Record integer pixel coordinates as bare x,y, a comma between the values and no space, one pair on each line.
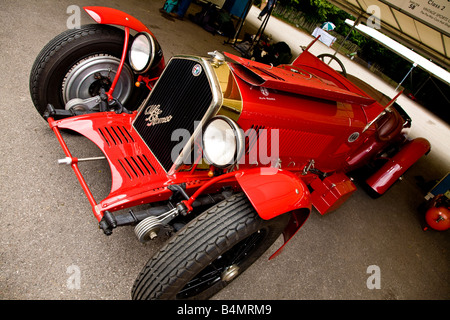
181,97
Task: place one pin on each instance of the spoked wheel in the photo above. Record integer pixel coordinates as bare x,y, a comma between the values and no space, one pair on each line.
78,63
329,58
209,252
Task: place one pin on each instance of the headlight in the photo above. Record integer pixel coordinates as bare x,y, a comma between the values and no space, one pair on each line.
223,142
142,52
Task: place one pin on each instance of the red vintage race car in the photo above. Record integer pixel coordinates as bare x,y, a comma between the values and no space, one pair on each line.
225,153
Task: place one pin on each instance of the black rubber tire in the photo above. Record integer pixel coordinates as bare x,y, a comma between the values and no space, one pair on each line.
208,240
64,51
333,57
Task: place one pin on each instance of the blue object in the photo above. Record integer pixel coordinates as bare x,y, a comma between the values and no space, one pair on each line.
170,5
327,26
183,7
442,187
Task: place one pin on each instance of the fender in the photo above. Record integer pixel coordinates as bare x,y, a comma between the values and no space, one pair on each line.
385,177
273,192
104,15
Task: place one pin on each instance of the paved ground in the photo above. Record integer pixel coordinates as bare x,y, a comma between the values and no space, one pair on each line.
47,229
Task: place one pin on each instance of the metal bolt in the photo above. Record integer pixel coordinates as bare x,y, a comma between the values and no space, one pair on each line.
152,235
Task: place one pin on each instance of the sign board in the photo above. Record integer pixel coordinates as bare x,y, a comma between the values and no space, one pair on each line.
435,13
325,37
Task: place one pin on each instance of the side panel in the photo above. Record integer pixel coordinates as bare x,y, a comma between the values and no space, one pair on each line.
308,128
332,192
273,192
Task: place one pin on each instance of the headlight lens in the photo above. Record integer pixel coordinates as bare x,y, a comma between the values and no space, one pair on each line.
142,52
222,142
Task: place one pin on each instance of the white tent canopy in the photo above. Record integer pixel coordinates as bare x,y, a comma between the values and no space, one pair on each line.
403,51
422,25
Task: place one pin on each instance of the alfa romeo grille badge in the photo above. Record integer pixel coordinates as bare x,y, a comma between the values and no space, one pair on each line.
197,70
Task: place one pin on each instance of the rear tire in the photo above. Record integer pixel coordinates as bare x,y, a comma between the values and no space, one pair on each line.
209,252
49,74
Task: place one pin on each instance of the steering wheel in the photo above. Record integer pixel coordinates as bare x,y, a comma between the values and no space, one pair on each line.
330,58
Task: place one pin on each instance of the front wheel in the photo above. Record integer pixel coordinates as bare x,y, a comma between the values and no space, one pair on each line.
209,252
78,63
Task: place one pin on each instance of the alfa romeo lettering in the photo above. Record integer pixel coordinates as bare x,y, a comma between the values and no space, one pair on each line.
153,113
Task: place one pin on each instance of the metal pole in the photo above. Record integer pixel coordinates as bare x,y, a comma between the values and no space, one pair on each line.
410,70
348,34
261,29
242,21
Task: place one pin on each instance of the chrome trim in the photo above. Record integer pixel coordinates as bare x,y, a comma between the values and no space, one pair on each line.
152,54
221,103
232,98
239,138
217,100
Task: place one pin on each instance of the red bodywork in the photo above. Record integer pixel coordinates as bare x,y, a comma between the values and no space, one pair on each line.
104,15
322,120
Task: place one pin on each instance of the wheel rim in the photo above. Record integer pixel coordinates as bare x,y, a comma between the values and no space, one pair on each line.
86,77
225,268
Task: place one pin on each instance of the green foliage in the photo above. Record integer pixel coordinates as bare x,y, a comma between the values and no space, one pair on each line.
314,9
324,9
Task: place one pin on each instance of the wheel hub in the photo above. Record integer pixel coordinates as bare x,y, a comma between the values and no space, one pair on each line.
85,78
230,273
100,82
